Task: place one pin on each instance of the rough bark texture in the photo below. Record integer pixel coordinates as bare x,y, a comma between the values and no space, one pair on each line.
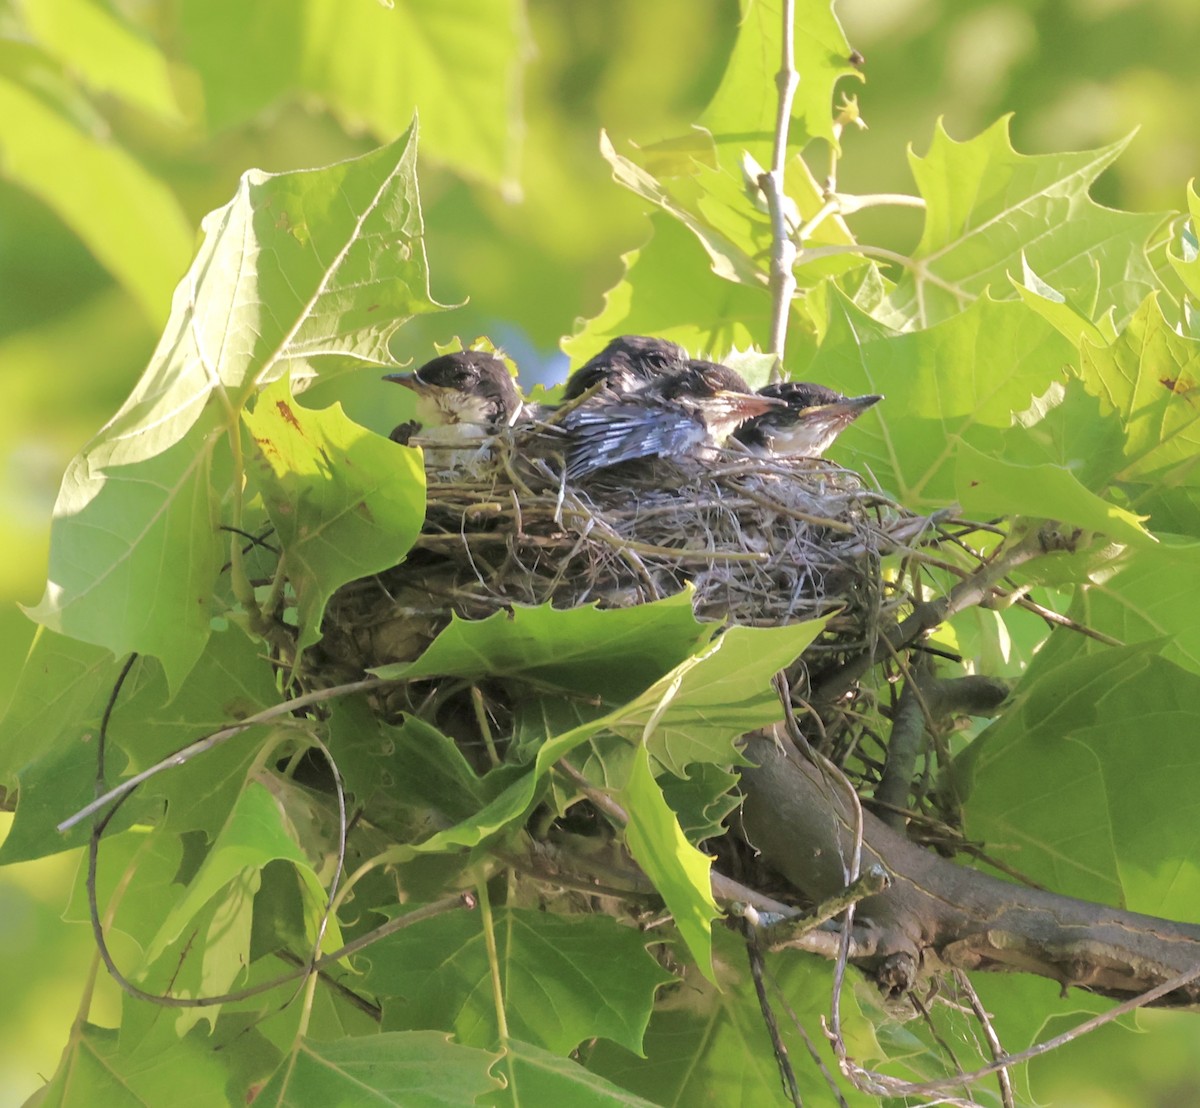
937,913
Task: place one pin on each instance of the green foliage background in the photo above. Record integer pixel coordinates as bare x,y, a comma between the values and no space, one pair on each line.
122,126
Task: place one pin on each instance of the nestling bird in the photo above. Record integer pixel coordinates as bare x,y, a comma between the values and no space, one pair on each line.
813,417
469,395
686,415
627,364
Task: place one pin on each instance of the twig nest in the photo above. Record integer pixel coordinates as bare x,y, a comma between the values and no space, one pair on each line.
760,541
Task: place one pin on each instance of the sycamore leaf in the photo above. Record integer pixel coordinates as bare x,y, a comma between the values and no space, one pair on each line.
987,205
704,1042
537,1076
1186,259
135,552
1146,595
679,871
1150,377
376,65
730,250
668,290
613,652
556,974
408,1069
297,266
987,485
109,55
143,238
254,835
1090,781
102,1065
744,107
344,501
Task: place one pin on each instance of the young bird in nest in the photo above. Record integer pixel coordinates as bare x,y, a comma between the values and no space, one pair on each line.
813,417
686,415
625,365
461,397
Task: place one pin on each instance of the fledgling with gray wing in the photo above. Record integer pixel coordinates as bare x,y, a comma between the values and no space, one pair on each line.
627,364
687,415
462,396
811,417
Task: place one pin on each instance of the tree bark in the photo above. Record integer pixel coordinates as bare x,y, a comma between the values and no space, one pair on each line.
937,913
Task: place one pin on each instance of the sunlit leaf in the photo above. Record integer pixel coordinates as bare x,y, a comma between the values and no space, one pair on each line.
987,207
345,502
144,238
679,871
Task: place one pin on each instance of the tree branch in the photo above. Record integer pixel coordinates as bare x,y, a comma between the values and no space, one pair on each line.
938,913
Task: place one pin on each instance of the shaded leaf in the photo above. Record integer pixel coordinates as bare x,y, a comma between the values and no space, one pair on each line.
407,1069
536,1076
556,976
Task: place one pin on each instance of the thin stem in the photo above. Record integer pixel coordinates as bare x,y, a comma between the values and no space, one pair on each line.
848,204
200,746
783,250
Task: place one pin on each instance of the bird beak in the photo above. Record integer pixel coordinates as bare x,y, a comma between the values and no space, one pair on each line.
849,408
744,405
408,379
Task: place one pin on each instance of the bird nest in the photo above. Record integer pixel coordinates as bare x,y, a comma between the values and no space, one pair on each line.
761,542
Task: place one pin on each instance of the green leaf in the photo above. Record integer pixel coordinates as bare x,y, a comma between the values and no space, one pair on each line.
254,835
409,57
144,238
614,652
115,533
556,978
670,291
692,713
1048,302
63,687
297,266
109,55
679,871
707,1045
989,486
1143,595
1186,260
744,107
961,381
406,1069
536,1076
1086,784
987,207
1150,378
103,1066
345,502
730,249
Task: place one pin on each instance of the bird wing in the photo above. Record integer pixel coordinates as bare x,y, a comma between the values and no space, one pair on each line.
606,434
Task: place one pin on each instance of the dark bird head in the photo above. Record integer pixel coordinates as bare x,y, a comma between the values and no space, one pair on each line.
813,417
470,387
625,365
717,396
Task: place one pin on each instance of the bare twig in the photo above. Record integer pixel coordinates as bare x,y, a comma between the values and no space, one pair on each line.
783,250
200,746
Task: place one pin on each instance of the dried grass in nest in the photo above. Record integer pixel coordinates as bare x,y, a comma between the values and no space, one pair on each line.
762,542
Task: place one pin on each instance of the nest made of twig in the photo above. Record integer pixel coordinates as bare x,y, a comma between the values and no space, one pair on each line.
760,541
